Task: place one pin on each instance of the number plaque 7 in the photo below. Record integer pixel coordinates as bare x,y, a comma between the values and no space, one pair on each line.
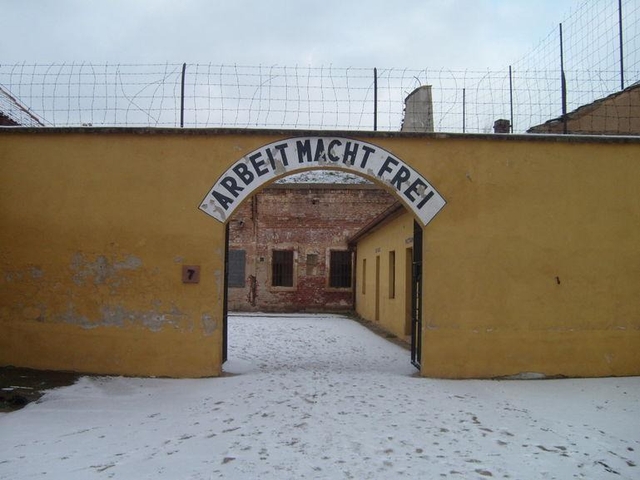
191,274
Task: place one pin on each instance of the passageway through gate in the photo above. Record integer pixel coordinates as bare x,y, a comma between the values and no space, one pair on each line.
309,344
287,265
413,300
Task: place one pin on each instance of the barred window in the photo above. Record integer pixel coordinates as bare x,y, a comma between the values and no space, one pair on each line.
340,269
282,268
237,263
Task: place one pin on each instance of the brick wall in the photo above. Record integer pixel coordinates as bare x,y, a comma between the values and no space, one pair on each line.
309,219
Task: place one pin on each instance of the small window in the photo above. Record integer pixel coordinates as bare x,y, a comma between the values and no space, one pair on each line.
282,268
236,272
392,274
312,259
340,269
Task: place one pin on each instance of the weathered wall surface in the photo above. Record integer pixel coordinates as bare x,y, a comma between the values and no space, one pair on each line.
311,220
95,230
385,297
530,267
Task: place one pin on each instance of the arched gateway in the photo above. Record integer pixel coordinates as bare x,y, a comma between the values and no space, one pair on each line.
108,264
296,154
281,158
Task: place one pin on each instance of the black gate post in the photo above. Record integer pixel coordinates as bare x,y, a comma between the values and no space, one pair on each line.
225,301
416,297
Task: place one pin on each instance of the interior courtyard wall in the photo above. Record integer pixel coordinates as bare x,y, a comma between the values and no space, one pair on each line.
310,219
385,298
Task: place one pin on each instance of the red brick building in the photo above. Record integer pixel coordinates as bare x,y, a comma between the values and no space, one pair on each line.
288,247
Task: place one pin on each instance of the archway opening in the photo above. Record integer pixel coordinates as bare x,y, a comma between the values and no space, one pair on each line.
290,246
294,247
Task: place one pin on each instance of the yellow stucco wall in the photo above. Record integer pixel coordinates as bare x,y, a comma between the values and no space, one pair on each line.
532,266
396,236
95,230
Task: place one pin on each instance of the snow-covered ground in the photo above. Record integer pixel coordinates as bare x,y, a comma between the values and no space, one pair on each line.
323,397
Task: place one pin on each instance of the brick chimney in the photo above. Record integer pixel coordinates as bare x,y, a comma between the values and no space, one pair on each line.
502,126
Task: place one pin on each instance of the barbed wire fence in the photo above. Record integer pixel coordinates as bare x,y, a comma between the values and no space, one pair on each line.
596,49
600,49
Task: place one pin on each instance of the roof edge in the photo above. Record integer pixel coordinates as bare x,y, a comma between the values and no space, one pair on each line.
527,137
391,213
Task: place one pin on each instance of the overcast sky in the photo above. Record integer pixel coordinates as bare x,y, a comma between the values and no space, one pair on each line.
456,34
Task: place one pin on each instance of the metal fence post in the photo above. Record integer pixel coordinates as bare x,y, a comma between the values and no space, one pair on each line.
184,69
375,99
621,45
464,110
511,98
563,85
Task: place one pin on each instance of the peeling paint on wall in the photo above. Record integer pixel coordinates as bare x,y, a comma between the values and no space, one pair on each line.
36,272
209,325
33,272
154,321
118,316
101,270
72,317
219,284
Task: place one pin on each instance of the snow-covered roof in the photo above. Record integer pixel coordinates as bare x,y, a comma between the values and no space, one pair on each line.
324,176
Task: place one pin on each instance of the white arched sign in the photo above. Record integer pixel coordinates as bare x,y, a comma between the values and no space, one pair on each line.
293,155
